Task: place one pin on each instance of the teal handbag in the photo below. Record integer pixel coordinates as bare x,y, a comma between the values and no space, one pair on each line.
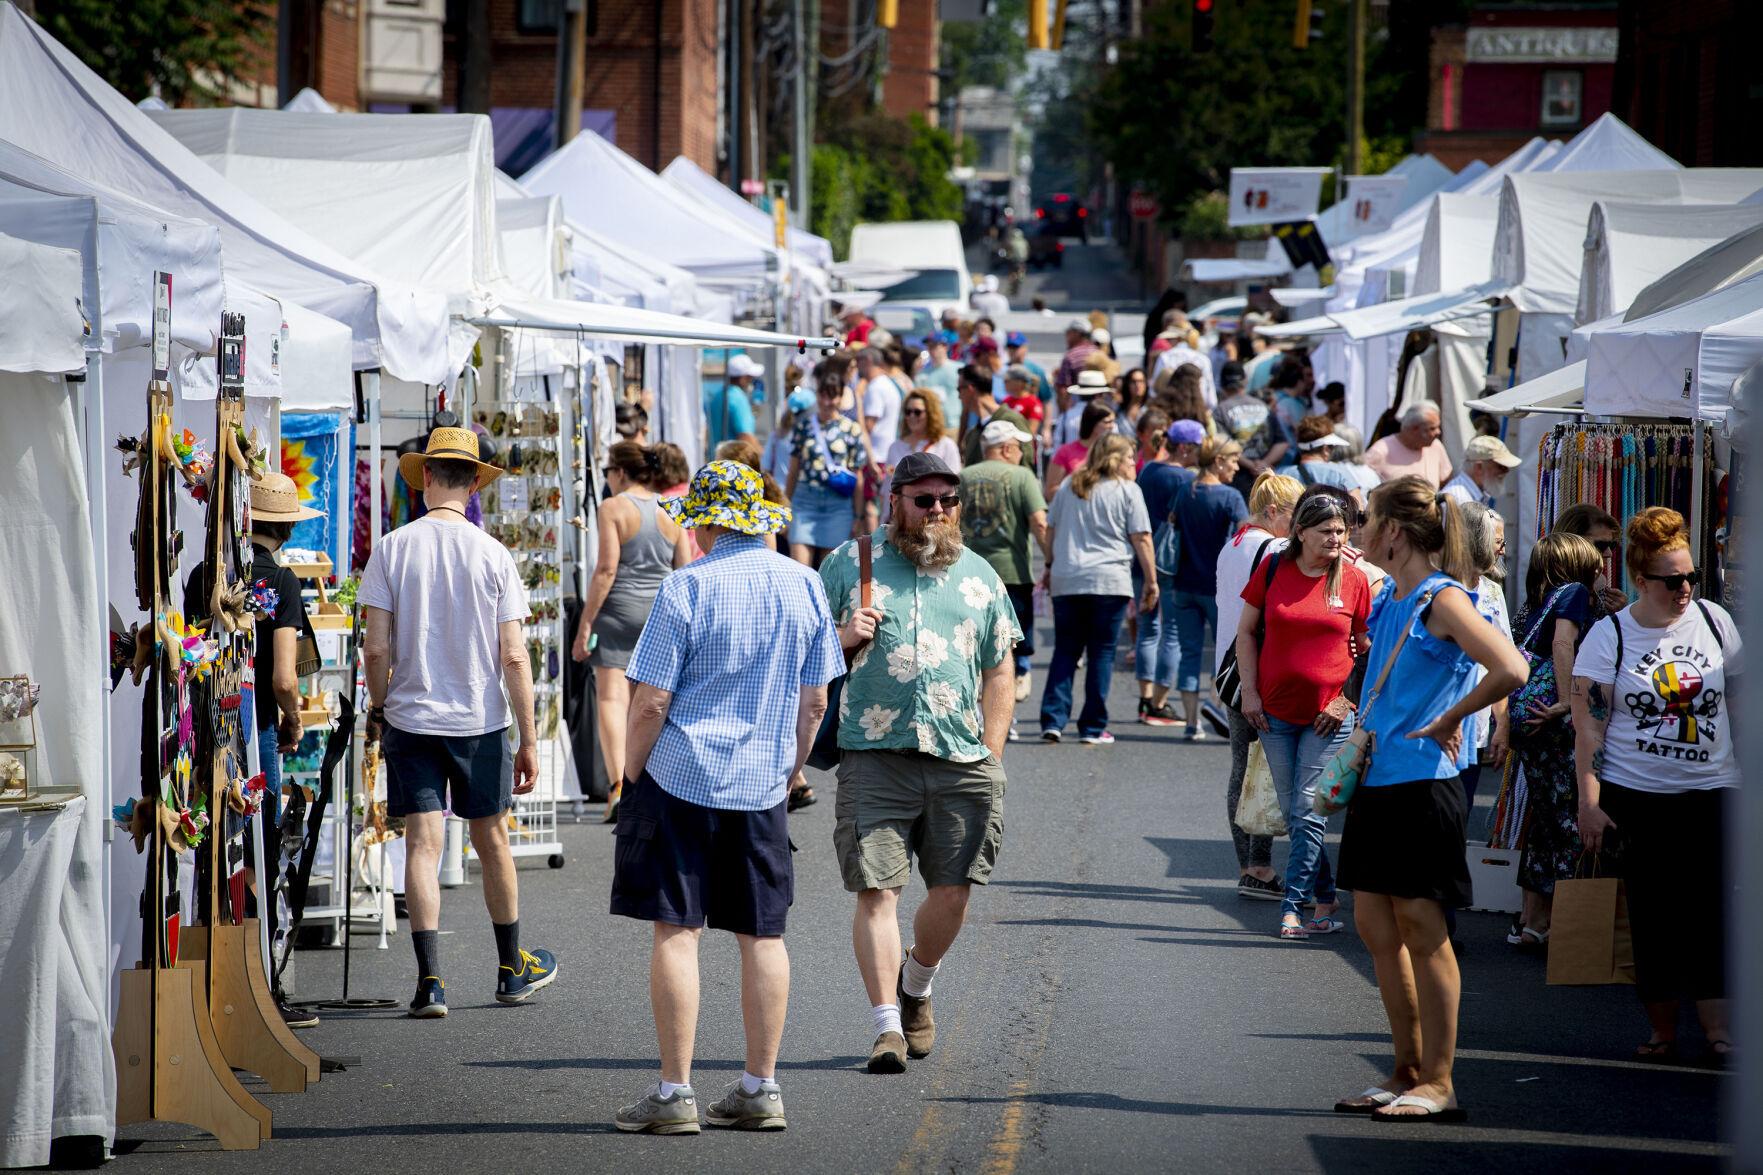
1343,772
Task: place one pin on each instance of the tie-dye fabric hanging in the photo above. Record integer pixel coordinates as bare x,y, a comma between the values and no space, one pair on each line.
312,446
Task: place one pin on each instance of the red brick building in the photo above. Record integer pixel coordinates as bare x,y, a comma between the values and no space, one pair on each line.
1686,79
1516,71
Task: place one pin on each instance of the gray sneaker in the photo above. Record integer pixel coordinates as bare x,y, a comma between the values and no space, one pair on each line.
748,1111
676,1115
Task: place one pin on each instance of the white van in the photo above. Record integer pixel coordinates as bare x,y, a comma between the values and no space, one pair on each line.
931,247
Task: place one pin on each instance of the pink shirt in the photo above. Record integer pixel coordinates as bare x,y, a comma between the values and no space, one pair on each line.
1390,459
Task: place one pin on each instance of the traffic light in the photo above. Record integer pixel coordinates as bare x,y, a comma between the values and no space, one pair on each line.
1308,26
1202,26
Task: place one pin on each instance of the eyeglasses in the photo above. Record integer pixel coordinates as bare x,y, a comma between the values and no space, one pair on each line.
926,501
1605,546
1673,583
913,412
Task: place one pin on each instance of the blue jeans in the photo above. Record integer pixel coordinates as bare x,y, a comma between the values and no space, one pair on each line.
1022,601
1159,644
1088,625
1194,611
1296,756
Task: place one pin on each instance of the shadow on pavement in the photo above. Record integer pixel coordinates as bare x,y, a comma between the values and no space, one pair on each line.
1355,1153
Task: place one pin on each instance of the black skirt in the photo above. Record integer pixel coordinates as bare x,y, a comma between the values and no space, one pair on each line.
1406,840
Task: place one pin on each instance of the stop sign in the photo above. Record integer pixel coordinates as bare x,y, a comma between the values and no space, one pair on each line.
1143,205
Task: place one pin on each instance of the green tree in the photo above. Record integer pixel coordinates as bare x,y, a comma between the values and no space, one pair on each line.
1177,122
874,167
991,51
175,48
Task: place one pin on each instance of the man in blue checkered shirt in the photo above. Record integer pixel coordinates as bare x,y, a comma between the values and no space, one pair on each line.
728,687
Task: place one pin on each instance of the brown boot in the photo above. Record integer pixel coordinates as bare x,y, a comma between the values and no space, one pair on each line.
889,1054
915,1019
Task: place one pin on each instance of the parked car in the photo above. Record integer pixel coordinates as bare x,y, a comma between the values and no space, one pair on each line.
1062,212
1045,248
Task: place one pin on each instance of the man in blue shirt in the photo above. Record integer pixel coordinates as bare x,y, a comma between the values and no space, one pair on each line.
728,687
729,412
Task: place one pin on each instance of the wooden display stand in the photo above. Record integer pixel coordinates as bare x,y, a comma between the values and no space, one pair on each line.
250,1030
169,1067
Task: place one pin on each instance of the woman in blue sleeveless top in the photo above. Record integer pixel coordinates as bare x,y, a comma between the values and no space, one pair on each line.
1402,850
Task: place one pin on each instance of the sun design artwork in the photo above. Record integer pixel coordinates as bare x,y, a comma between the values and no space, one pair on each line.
300,466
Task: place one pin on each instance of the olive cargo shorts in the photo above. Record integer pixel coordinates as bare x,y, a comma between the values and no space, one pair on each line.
896,805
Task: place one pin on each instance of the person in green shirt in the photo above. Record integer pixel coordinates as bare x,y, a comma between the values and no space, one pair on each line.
1001,507
980,402
923,719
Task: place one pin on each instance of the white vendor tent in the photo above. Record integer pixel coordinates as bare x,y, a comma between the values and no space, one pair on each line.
58,1076
1733,260
688,177
1629,246
55,107
1679,362
606,190
1608,144
1539,244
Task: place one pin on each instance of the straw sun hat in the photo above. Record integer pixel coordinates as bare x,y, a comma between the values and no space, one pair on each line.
276,499
447,444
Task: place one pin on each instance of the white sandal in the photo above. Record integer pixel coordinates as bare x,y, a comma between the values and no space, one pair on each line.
1372,1099
1433,1111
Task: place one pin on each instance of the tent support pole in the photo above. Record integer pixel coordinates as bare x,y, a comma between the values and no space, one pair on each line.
97,505
1698,441
1745,1092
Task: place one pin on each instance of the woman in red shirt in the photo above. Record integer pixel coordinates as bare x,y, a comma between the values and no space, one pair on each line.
1304,615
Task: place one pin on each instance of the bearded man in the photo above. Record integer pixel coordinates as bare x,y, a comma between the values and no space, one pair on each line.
922,724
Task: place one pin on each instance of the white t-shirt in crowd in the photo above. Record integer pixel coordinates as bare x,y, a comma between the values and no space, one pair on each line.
1490,601
1181,353
881,402
1670,729
448,586
1234,563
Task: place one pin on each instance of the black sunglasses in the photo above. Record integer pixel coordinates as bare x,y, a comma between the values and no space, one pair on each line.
913,412
1673,583
925,501
1605,546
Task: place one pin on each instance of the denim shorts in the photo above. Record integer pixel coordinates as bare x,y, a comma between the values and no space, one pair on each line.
472,775
688,865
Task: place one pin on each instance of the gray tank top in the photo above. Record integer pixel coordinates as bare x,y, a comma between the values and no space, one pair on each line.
646,557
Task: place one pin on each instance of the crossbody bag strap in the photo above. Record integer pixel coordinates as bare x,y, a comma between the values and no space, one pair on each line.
1390,663
1708,618
1536,622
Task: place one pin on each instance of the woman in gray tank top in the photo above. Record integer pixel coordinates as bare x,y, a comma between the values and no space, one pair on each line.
638,546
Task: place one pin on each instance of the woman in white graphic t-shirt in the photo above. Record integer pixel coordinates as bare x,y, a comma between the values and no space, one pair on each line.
1653,754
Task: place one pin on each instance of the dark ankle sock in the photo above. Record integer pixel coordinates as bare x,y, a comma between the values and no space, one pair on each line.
508,943
428,953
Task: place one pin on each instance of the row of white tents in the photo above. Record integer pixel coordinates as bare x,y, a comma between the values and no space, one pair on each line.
1617,283
377,259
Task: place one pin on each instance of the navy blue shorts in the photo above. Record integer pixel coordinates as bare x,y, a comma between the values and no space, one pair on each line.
688,865
423,771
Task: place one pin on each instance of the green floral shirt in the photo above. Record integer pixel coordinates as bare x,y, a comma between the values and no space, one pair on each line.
916,686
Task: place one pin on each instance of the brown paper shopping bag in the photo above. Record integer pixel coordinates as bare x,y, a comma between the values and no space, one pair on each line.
1589,939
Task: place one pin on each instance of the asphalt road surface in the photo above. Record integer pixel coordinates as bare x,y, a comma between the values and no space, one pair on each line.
1112,1006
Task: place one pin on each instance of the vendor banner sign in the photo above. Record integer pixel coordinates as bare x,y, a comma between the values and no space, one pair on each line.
313,448
1373,201
1272,195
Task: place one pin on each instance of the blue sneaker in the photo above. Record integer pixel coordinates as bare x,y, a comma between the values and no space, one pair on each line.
430,1001
537,968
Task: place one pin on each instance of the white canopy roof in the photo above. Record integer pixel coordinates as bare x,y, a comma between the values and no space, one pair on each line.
1733,260
1425,175
1629,246
606,190
688,177
1678,362
535,244
1320,326
1561,390
1272,264
54,106
1609,144
121,243
1406,314
411,195
307,101
515,311
40,324
1539,244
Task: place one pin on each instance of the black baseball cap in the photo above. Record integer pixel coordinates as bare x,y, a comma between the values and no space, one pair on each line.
918,466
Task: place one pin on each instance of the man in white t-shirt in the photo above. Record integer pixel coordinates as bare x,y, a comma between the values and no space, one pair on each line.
444,607
881,399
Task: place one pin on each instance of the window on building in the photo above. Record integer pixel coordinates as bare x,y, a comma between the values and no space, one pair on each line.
1562,91
537,16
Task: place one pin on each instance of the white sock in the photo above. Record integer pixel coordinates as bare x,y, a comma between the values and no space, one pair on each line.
887,1018
918,977
668,1088
751,1085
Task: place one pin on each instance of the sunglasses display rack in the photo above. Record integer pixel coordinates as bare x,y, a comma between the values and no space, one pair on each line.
524,510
